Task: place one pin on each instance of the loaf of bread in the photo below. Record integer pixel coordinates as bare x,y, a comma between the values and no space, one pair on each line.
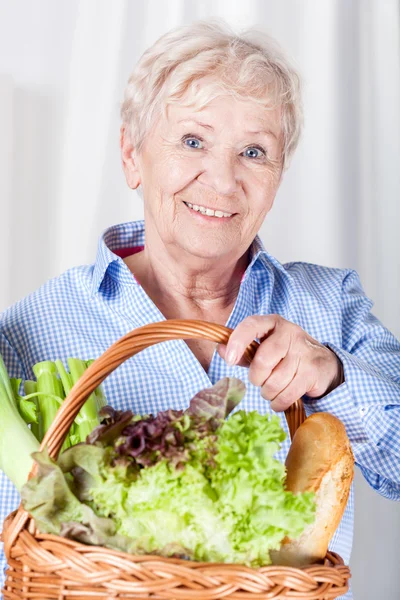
320,460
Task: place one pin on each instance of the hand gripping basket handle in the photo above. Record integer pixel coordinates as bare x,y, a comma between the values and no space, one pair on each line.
124,348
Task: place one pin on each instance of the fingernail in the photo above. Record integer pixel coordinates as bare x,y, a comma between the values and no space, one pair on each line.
231,356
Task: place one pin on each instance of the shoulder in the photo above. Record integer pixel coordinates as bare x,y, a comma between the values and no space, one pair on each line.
42,316
56,291
318,277
319,291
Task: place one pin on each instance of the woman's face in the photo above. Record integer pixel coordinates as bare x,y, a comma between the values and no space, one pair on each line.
209,176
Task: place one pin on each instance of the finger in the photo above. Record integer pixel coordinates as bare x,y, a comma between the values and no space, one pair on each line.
281,376
295,390
256,326
269,355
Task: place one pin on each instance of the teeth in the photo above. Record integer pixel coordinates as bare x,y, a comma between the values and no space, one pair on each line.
208,211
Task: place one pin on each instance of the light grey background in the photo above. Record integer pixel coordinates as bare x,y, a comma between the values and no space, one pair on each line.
63,68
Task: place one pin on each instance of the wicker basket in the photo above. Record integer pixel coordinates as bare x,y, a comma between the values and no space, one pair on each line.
51,567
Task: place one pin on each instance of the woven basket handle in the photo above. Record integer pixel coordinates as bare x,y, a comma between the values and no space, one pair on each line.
120,351
125,348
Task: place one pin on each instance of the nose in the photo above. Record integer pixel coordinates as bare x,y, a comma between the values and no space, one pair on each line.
220,174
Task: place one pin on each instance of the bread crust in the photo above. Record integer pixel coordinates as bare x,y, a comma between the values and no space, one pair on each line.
320,460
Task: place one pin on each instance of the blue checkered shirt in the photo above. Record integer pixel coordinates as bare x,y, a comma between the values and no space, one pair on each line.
87,308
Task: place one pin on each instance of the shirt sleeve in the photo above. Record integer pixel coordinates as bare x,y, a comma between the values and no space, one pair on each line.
368,402
9,497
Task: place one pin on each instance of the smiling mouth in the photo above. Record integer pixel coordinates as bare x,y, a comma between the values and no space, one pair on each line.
208,212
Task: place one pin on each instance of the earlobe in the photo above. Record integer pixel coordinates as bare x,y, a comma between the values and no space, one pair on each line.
129,162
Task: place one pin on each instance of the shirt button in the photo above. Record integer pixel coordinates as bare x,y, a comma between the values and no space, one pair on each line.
363,411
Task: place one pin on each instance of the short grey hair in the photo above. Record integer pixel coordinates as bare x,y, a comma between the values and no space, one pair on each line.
249,65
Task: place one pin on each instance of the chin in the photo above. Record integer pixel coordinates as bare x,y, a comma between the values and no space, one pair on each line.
206,248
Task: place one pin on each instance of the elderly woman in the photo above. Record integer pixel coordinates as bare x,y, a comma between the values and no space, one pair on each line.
210,122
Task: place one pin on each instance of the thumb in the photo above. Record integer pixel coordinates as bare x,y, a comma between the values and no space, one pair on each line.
221,349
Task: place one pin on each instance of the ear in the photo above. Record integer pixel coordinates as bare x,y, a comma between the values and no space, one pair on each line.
129,160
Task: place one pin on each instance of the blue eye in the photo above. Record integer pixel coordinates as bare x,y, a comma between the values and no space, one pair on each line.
192,141
254,152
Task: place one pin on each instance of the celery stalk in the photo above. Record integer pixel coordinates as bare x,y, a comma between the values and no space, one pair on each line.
47,383
30,388
99,393
14,435
67,384
100,398
87,418
26,406
74,437
65,377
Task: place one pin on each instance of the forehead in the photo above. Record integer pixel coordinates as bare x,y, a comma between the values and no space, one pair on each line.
223,111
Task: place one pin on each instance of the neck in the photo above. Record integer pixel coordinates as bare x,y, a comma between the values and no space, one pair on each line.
188,284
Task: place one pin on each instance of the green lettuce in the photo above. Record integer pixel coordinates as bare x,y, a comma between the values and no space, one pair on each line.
188,484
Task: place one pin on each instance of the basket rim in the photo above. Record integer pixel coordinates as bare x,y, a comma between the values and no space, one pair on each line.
331,557
151,573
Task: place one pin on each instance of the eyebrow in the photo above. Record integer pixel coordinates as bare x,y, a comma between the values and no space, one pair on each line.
211,128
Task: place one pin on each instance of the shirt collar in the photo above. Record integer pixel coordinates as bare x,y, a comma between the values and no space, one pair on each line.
117,237
132,234
258,254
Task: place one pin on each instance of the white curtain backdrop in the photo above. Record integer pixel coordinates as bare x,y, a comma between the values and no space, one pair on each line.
63,68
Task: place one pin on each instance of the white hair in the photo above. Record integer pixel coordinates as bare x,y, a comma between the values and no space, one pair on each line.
250,66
